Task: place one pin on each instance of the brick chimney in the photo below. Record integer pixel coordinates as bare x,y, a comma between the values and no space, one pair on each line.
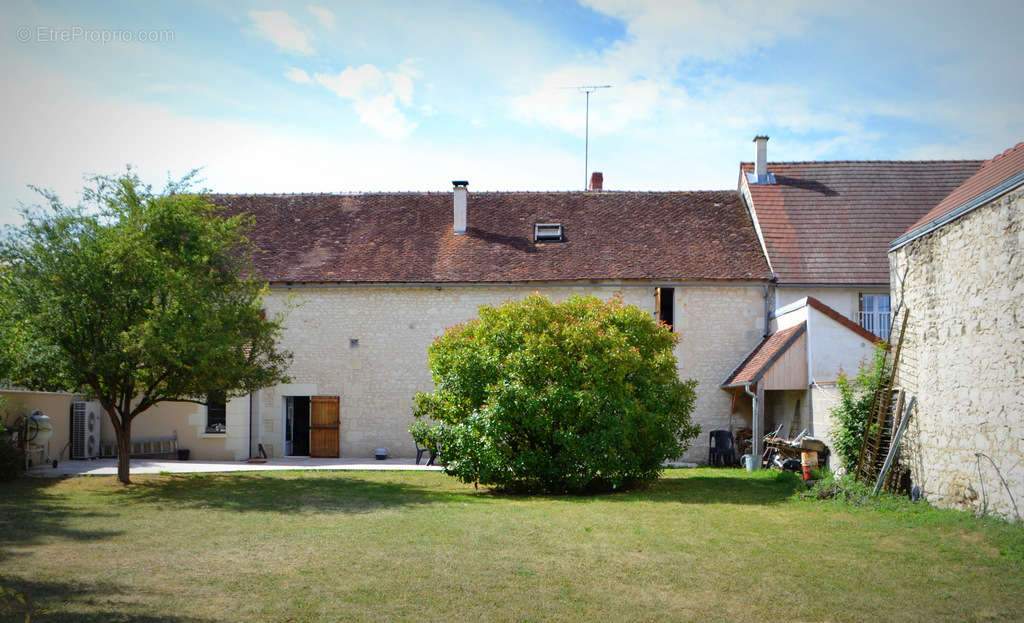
596,181
460,191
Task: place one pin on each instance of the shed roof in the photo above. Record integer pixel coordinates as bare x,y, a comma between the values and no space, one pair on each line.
408,237
764,355
831,222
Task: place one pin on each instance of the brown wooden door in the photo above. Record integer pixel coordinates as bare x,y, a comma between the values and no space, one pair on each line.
323,427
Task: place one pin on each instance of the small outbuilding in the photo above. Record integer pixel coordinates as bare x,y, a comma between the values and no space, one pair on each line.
790,376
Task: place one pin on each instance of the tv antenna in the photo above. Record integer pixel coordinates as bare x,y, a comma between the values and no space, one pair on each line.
588,89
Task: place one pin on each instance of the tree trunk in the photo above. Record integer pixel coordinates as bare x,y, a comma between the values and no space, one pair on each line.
124,449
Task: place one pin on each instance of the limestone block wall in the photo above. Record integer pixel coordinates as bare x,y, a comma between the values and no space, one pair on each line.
717,327
963,356
368,345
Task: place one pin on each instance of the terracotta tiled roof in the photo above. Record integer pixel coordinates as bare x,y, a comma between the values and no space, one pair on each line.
992,173
832,222
764,355
407,237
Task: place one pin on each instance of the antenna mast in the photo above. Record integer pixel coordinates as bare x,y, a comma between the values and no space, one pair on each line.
588,89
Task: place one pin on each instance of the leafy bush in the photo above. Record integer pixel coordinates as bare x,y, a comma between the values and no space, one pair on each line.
854,408
539,396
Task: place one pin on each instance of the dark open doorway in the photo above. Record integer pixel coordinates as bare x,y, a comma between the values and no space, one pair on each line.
296,426
665,301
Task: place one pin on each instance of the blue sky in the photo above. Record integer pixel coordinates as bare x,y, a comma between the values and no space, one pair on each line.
347,96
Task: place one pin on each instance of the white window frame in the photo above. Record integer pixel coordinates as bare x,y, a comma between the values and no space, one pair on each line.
875,319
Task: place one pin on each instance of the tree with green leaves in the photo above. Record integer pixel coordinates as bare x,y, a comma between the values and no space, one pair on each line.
533,395
856,397
135,297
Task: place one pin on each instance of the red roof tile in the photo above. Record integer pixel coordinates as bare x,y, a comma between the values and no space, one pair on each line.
764,355
407,237
992,173
831,222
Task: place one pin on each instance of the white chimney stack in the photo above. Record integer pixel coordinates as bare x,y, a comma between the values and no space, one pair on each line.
460,191
761,164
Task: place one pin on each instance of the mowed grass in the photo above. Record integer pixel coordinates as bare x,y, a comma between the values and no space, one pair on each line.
699,545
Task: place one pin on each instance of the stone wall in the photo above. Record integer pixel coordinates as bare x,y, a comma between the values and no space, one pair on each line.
368,345
963,356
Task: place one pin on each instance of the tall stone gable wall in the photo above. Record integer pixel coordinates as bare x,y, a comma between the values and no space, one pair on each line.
368,345
963,356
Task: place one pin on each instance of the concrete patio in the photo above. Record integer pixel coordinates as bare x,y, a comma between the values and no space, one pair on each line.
108,467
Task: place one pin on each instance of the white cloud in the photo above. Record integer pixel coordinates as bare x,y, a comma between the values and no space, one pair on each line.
282,30
644,66
376,95
298,75
354,82
323,15
54,149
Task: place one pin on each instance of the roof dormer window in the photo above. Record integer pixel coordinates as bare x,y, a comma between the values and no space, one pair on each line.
547,232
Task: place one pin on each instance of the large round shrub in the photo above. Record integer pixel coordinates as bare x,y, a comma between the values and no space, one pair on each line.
542,396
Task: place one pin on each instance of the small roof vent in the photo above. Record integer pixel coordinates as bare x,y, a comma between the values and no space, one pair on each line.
547,232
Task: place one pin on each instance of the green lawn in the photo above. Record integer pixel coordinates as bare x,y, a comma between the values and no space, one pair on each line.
701,545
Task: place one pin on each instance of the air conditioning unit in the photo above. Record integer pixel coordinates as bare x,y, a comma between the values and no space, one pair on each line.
85,429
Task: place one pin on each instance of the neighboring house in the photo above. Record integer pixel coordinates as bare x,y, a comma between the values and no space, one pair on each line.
810,340
825,229
826,226
370,280
960,272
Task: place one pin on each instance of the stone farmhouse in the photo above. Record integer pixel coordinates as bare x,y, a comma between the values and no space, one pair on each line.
959,270
371,279
374,278
773,289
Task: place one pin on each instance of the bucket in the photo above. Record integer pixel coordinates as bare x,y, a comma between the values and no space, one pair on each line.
747,460
808,461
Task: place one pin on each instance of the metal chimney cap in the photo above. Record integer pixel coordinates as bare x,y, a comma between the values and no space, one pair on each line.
460,183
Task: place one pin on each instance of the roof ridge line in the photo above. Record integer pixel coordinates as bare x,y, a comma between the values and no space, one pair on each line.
1004,153
948,161
360,193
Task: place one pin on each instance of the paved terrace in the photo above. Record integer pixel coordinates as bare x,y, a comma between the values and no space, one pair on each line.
108,467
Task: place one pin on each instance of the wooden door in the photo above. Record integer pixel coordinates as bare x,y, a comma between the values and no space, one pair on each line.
323,427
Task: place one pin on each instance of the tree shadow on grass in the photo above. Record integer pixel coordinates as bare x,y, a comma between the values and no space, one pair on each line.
28,515
701,486
290,494
76,601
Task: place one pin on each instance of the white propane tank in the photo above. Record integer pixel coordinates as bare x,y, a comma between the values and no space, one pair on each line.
40,429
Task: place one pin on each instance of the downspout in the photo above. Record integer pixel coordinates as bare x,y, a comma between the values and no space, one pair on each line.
755,447
250,425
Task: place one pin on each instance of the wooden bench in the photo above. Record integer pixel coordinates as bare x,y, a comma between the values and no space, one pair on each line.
147,447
